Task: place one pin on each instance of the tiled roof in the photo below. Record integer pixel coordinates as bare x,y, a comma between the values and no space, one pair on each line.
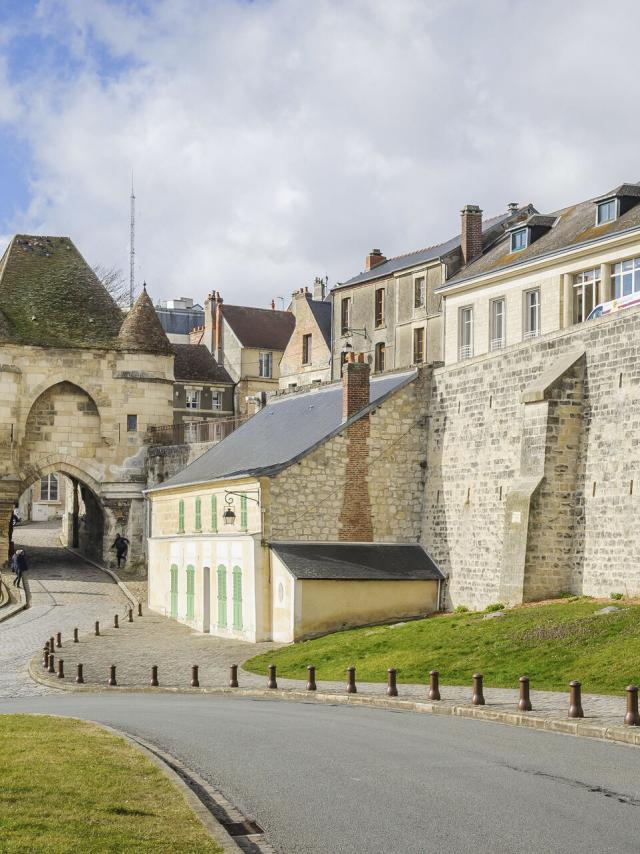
260,327
141,329
194,362
357,561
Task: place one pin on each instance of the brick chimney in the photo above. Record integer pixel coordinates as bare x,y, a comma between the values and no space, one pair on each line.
212,323
373,259
355,385
471,234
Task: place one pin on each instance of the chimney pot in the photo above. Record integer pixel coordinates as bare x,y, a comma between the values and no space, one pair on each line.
355,385
471,233
373,259
319,289
512,207
273,305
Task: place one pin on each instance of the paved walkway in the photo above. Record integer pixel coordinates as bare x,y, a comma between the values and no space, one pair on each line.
65,592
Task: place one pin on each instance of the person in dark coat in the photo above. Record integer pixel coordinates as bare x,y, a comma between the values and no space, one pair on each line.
21,566
121,545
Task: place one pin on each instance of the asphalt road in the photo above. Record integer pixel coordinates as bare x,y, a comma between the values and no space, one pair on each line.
332,779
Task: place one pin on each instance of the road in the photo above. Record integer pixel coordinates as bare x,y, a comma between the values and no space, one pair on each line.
332,779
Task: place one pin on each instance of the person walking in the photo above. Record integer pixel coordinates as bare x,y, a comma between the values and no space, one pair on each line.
121,545
20,566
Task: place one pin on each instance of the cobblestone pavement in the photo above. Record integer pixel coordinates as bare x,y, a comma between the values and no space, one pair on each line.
65,592
152,639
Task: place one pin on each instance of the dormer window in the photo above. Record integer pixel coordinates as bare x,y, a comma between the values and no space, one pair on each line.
519,239
607,211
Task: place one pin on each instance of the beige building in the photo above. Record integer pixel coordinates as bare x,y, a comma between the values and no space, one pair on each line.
547,272
307,357
279,531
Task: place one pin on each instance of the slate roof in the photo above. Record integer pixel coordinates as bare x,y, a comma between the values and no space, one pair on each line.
180,321
141,329
195,363
573,226
282,432
322,314
357,561
260,327
50,296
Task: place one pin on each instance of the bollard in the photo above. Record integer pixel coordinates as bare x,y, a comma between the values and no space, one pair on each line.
75,636
478,696
115,622
311,678
139,609
97,628
272,683
130,615
154,676
233,676
351,680
392,688
434,685
80,676
60,669
112,675
525,700
195,682
575,700
45,655
51,644
59,640
632,718
51,668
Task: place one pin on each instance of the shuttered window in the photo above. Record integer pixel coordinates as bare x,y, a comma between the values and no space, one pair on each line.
174,591
222,596
181,516
191,592
198,514
237,597
243,512
214,514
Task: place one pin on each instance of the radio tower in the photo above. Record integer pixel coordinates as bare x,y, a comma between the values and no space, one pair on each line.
132,249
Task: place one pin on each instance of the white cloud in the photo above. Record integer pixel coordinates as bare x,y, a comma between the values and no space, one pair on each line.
278,140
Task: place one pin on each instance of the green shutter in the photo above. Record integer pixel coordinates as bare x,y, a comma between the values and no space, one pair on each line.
243,512
174,590
198,514
214,514
237,597
191,591
181,516
222,596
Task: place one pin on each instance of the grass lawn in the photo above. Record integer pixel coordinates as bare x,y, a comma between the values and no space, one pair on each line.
552,643
69,786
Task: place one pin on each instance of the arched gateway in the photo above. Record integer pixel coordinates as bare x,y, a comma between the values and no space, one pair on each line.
79,384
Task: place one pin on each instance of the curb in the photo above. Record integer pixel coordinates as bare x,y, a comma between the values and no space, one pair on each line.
11,610
585,729
133,599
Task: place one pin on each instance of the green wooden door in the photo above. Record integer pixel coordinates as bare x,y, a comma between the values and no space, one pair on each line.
222,596
174,590
191,592
237,597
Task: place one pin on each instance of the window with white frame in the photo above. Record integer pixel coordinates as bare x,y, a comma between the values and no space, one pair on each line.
466,333
532,313
586,293
49,488
497,331
419,292
193,398
216,400
607,211
519,239
626,278
266,364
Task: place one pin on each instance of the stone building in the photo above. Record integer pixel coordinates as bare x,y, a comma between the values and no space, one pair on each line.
80,383
306,519
307,356
202,392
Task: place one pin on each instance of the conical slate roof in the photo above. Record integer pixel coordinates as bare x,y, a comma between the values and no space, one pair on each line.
142,330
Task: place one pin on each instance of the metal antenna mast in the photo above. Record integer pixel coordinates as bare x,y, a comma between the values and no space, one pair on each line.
132,249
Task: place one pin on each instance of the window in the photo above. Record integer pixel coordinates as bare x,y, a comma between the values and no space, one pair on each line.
222,596
418,346
379,307
497,320
266,364
191,592
214,514
193,399
519,239
466,333
532,314
49,488
306,349
181,516
419,290
607,211
216,400
243,512
626,278
198,514
237,597
379,358
345,315
132,423
586,294
173,591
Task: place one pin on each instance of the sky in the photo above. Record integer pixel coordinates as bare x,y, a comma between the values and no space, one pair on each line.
274,141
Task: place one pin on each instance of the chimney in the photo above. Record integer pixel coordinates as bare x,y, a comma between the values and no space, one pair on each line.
273,305
471,235
319,291
373,259
512,207
355,385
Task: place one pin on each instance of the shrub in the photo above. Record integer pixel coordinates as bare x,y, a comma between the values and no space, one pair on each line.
495,606
461,609
616,595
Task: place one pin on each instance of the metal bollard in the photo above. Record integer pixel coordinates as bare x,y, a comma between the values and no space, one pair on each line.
392,688
51,668
112,675
233,676
478,696
139,609
434,685
575,700
154,676
97,629
272,683
60,669
59,640
311,678
195,682
524,704
52,644
75,636
351,680
115,622
80,676
45,655
130,615
632,718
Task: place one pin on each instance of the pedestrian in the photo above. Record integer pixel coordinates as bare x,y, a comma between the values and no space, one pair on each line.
14,563
16,518
21,566
121,545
